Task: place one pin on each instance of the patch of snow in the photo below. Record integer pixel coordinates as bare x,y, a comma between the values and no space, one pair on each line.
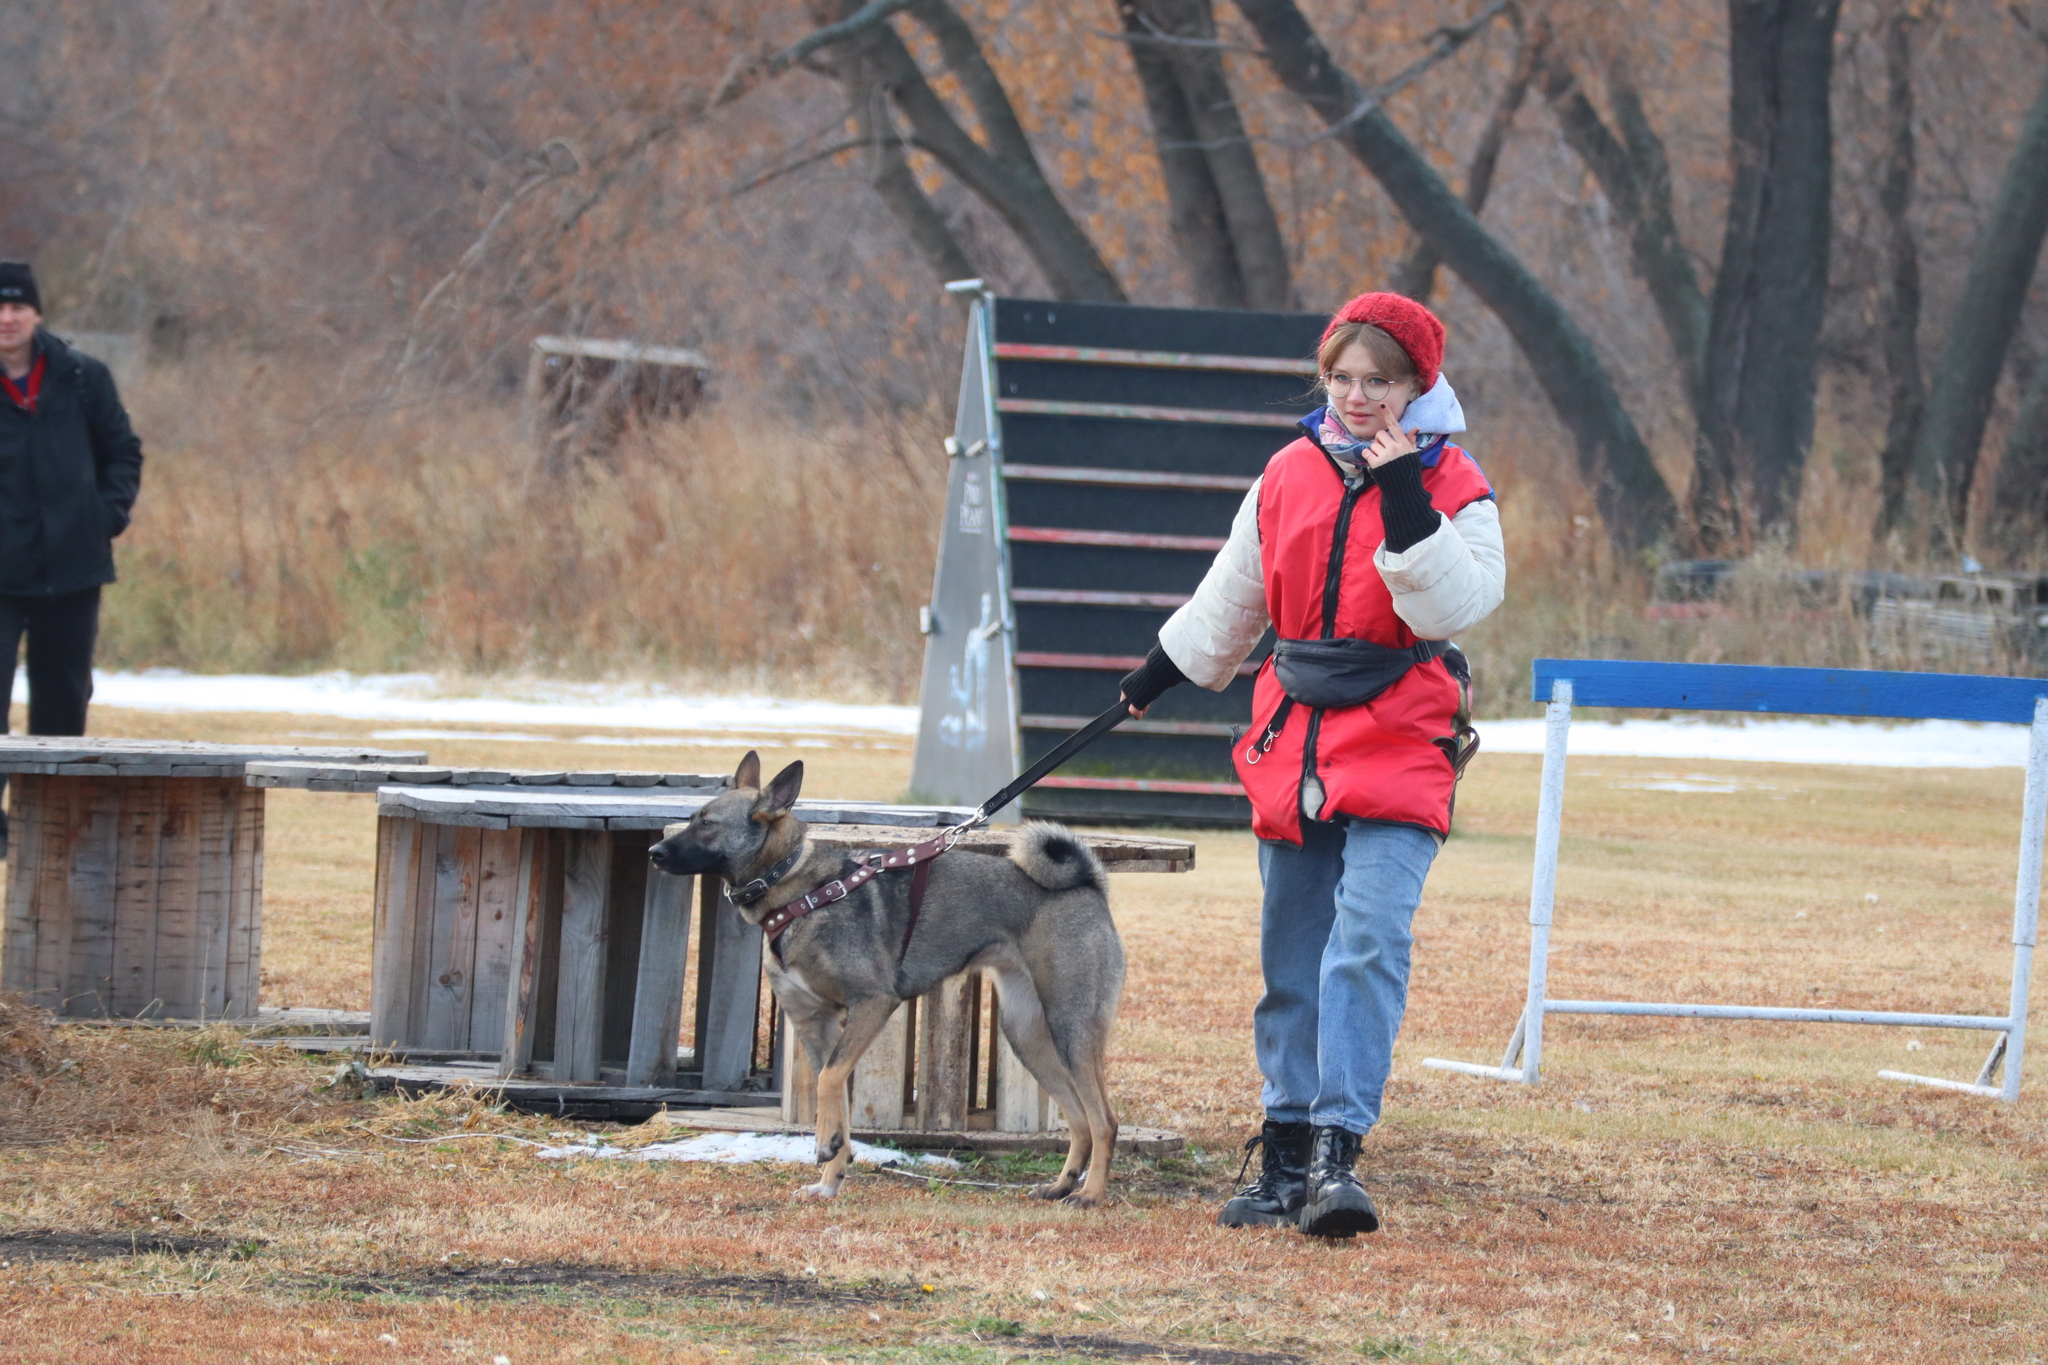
496,711
1912,744
420,697
795,1149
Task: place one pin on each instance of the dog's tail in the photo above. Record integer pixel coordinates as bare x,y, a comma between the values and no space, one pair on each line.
1056,859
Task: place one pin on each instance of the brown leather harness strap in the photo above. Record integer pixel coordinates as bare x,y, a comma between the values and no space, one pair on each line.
918,857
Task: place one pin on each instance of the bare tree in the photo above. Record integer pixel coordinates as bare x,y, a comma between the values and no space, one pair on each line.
1634,175
1973,353
1900,319
1201,233
1415,276
2017,523
1004,174
1759,373
1635,504
1175,52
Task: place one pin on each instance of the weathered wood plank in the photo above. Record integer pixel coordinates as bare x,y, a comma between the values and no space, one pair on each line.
579,1001
879,1078
398,853
419,947
625,909
89,891
135,898
658,988
58,799
799,1079
547,990
451,956
245,906
1021,1106
942,1055
497,922
24,867
214,861
728,989
179,952
522,998
141,757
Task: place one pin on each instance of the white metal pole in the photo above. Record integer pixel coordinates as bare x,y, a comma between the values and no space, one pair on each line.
2026,912
1543,886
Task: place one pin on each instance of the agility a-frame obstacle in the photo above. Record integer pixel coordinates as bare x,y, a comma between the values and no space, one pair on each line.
1800,691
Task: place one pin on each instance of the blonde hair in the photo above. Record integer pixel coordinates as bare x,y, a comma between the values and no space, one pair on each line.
1393,362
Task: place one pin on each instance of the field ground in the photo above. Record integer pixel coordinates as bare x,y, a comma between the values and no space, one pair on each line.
1673,1191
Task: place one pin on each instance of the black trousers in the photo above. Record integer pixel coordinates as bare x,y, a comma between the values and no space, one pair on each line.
61,633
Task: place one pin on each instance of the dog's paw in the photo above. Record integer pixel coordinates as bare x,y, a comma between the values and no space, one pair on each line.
1058,1189
821,1190
1078,1200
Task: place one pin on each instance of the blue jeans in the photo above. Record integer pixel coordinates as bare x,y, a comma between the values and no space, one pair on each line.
1334,941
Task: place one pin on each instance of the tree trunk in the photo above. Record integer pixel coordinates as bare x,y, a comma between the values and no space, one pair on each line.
889,172
1636,179
1005,175
2017,523
1416,275
1757,421
1901,319
1233,165
1635,504
1966,376
1194,206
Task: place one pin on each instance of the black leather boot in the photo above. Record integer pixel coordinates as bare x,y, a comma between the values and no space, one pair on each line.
1336,1205
1274,1199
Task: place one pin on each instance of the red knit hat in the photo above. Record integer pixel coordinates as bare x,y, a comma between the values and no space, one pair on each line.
1413,327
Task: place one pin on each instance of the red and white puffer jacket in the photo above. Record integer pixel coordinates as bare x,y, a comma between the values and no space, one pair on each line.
1299,530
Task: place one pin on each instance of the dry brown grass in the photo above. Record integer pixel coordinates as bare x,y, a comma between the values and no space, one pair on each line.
277,533
1673,1191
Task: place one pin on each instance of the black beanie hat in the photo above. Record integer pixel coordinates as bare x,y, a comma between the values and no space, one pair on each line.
18,285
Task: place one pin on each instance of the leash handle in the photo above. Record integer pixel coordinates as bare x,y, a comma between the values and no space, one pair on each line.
1030,777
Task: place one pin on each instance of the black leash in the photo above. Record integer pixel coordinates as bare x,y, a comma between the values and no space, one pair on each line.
1068,747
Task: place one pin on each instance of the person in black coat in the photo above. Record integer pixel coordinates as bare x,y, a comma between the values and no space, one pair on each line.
70,466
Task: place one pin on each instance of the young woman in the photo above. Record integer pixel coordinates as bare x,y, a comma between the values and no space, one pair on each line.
1367,544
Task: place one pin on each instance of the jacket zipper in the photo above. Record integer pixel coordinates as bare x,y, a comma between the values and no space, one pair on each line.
1333,578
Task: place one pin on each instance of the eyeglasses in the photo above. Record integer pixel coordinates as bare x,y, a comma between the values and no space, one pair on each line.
1374,389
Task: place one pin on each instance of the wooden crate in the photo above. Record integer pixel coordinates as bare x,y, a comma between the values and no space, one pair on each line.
556,953
940,1066
135,896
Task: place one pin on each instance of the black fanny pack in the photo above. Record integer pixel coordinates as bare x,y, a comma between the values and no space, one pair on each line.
1324,673
1353,672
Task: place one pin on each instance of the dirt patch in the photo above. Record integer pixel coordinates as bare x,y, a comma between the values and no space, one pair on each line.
1111,1348
512,1281
50,1245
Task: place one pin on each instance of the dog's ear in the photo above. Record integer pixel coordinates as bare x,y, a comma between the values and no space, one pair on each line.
748,774
782,792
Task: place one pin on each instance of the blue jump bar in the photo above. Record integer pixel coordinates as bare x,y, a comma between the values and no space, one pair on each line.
1792,691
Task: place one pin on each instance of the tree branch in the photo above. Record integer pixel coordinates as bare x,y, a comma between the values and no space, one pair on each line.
747,76
1443,43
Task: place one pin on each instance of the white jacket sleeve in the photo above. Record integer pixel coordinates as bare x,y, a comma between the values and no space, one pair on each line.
1211,635
1451,581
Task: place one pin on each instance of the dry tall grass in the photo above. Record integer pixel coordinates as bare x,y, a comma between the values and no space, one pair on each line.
742,548
739,545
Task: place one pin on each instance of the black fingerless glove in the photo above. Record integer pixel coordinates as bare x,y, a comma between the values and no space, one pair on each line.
1143,684
1405,509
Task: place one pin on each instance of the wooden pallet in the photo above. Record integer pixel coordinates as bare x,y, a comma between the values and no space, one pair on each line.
135,886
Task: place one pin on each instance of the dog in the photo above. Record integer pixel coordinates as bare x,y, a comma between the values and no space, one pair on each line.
1038,920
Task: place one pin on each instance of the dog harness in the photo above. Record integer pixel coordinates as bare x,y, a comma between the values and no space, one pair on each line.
918,858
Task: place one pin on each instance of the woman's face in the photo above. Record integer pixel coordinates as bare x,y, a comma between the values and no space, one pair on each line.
1349,381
